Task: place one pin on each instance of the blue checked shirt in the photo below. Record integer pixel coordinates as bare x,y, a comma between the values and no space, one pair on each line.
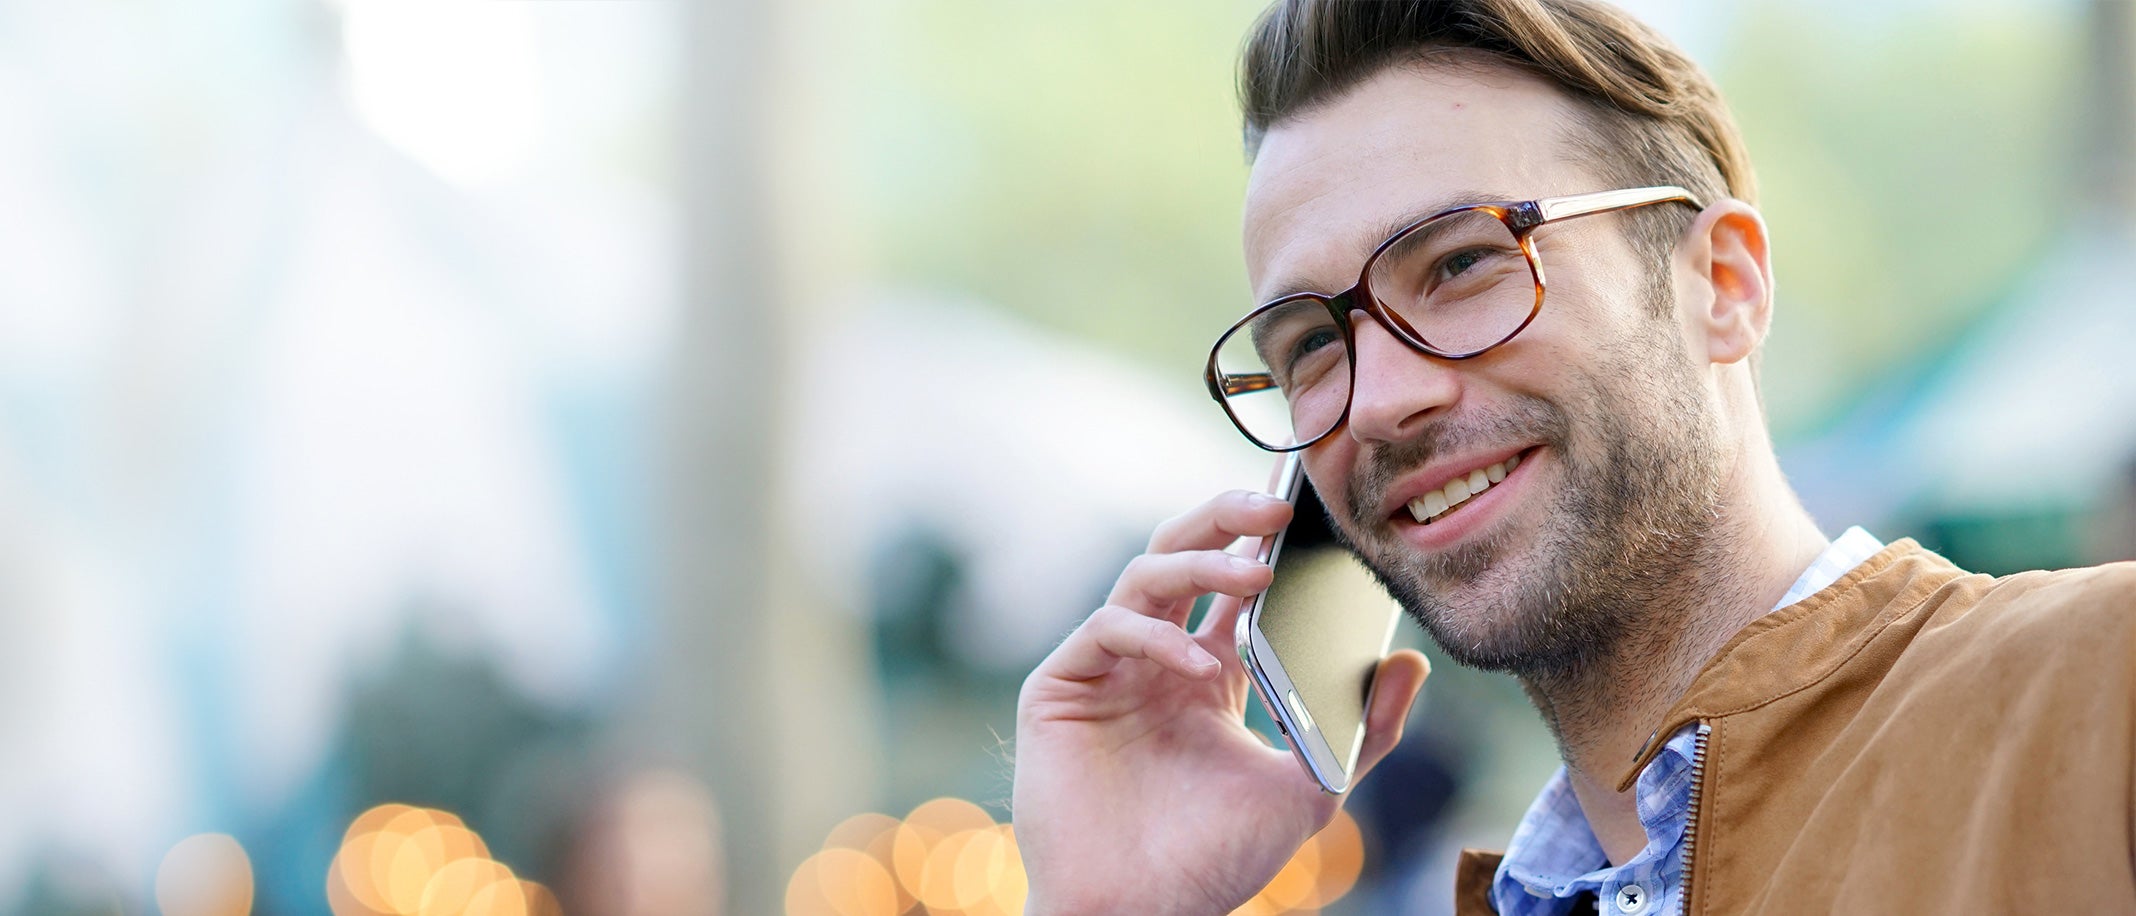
1554,856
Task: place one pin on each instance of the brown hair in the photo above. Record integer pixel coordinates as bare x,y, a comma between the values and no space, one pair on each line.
1651,116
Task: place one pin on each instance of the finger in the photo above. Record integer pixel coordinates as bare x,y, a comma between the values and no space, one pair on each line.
1222,621
1218,522
1114,633
1165,584
1394,691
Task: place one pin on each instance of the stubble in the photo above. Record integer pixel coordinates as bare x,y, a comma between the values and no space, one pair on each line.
1634,518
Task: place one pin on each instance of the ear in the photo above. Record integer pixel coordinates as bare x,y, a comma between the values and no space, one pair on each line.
1727,250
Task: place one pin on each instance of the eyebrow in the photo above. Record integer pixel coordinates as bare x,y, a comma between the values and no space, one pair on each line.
1296,285
1262,325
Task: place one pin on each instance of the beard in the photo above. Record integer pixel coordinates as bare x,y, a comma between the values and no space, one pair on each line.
1641,470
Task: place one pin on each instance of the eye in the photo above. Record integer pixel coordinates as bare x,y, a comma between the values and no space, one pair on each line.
1455,264
1313,340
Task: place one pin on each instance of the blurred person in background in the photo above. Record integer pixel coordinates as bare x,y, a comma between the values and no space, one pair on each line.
650,847
1578,489
2115,538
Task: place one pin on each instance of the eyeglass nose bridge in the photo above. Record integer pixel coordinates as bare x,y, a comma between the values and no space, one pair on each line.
1359,298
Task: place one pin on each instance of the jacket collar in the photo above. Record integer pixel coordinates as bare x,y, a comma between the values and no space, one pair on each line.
1803,643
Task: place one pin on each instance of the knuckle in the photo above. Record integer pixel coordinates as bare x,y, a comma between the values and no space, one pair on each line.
1104,617
1228,507
1089,631
1115,620
1181,526
1032,682
1222,562
1130,577
1157,629
1210,569
1135,581
1169,529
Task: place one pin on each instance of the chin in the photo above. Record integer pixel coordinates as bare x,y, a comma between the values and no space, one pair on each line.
1479,627
1505,614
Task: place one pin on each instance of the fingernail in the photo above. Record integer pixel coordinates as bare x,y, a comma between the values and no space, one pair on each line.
1241,564
1261,500
1200,659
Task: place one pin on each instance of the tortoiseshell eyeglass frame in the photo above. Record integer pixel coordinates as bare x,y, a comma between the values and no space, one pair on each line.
1521,218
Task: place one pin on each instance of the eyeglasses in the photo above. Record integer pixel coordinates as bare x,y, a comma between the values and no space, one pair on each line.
1454,285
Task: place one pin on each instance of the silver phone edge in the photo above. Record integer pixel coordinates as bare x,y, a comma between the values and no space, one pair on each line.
1260,671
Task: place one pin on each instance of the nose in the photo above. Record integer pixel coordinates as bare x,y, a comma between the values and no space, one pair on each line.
1398,390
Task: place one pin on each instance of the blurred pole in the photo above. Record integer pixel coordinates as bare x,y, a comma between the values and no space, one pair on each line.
2110,112
757,688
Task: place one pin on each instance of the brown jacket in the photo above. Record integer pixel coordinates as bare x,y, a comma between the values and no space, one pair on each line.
1914,739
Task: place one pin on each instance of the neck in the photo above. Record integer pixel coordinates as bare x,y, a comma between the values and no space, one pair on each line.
1604,711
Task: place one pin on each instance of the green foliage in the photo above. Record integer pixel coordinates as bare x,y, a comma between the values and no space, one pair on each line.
1912,167
1075,163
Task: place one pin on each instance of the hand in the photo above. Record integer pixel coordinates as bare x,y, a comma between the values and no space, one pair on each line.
1139,788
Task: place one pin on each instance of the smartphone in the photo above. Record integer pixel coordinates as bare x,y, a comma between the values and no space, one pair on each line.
1314,639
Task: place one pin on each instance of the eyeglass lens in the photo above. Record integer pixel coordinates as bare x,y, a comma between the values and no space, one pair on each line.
1460,281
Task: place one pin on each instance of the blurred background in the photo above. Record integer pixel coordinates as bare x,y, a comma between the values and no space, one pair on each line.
621,457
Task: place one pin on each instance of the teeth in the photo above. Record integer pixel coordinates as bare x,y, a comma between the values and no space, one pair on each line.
1459,490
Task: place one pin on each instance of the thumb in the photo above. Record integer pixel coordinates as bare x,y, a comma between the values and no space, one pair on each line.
1394,690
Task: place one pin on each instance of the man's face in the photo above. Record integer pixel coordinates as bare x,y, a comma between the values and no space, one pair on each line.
1599,405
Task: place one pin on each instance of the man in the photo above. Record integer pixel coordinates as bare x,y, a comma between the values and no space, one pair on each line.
1752,717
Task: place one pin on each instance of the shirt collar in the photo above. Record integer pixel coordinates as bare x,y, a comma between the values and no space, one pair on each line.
1554,854
1840,556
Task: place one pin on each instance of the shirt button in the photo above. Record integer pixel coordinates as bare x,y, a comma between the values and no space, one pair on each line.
1631,900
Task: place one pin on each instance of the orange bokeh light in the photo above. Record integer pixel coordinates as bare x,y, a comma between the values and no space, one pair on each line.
501,897
400,860
1324,869
358,876
373,820
1295,883
339,899
842,882
938,874
452,887
540,900
861,831
946,858
1342,859
949,815
205,875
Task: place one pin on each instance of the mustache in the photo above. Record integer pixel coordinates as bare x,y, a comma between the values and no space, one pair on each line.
1529,419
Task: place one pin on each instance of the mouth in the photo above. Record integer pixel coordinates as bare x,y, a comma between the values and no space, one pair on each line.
1436,505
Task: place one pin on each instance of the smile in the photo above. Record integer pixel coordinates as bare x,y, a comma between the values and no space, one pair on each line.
1459,490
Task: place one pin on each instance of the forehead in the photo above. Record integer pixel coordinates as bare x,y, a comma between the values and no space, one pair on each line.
1327,185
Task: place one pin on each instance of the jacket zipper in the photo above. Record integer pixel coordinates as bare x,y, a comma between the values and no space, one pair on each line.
1698,779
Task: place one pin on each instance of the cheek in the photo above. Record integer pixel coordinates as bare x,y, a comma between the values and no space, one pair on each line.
1328,466
1555,351
1589,336
1595,296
